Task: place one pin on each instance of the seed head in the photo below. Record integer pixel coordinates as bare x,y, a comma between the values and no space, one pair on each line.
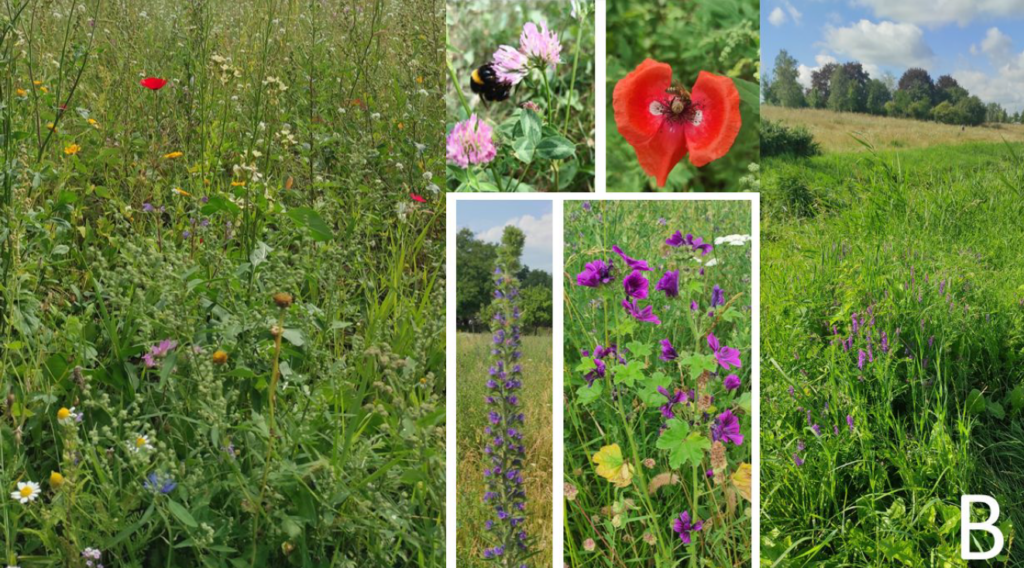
283,300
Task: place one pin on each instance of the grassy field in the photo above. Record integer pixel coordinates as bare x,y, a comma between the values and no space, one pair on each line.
634,462
833,130
221,284
472,355
892,342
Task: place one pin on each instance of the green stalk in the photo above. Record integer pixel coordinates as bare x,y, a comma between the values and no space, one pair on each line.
458,89
572,83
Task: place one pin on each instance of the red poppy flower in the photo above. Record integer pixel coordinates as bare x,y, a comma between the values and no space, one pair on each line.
153,83
418,198
663,122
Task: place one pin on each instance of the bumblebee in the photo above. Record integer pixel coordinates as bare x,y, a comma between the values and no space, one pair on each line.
484,82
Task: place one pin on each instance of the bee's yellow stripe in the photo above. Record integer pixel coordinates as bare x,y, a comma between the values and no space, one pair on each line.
476,77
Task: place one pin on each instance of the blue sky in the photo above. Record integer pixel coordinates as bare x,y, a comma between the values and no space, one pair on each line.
979,42
487,220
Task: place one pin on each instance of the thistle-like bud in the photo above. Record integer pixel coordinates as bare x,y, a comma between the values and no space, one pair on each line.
283,300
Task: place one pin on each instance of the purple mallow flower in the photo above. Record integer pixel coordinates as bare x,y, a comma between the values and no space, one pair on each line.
669,284
727,429
726,356
717,297
674,398
668,353
631,262
645,314
635,285
695,243
731,383
594,274
683,526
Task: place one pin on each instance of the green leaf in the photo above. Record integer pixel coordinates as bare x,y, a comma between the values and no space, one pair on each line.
629,374
649,393
750,93
294,336
1016,398
589,395
313,222
996,410
556,148
975,402
259,254
683,446
181,513
586,364
526,144
217,203
639,350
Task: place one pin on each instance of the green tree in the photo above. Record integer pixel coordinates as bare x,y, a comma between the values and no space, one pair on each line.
972,110
947,113
918,86
474,268
785,89
877,96
842,97
536,304
821,83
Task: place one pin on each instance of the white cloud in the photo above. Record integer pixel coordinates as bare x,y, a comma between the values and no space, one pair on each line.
881,44
1003,86
777,17
794,13
804,72
538,231
935,13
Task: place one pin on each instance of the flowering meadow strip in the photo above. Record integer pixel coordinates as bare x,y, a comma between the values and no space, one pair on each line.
657,404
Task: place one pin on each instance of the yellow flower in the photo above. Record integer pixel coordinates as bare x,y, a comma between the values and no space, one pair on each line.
173,155
22,93
37,83
419,80
56,480
180,191
238,184
92,122
44,90
63,414
51,126
72,149
612,467
401,126
741,480
220,357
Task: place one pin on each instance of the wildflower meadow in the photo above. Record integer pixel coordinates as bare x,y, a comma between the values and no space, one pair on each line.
221,284
520,96
892,337
683,87
657,388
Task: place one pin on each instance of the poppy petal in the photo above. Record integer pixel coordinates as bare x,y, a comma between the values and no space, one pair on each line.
153,83
662,152
713,129
633,97
418,198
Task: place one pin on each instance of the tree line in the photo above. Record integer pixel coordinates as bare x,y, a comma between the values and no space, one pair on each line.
847,87
475,261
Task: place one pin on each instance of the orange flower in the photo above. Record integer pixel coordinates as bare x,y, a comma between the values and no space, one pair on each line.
173,155
663,122
71,149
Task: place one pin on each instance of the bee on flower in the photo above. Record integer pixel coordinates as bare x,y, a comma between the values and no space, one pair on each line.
27,492
140,443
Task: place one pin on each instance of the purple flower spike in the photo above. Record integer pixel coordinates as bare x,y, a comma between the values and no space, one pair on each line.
717,297
668,353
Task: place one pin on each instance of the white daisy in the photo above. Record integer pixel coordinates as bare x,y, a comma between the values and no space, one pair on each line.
68,415
27,492
141,442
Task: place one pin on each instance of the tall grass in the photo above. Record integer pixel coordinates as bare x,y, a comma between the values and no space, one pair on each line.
920,246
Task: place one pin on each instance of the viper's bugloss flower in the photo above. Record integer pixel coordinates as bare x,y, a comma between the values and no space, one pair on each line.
849,421
595,273
668,353
153,83
540,45
471,143
509,64
861,357
798,460
663,122
645,314
162,484
683,526
727,429
731,383
726,356
669,284
816,429
717,296
695,243
631,262
635,285
504,447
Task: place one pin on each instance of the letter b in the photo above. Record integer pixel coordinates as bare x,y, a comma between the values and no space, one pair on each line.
989,526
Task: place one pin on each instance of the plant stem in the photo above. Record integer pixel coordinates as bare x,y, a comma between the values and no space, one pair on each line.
572,83
458,89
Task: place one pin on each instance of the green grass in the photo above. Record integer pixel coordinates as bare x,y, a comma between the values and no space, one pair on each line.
279,158
622,407
929,241
472,355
